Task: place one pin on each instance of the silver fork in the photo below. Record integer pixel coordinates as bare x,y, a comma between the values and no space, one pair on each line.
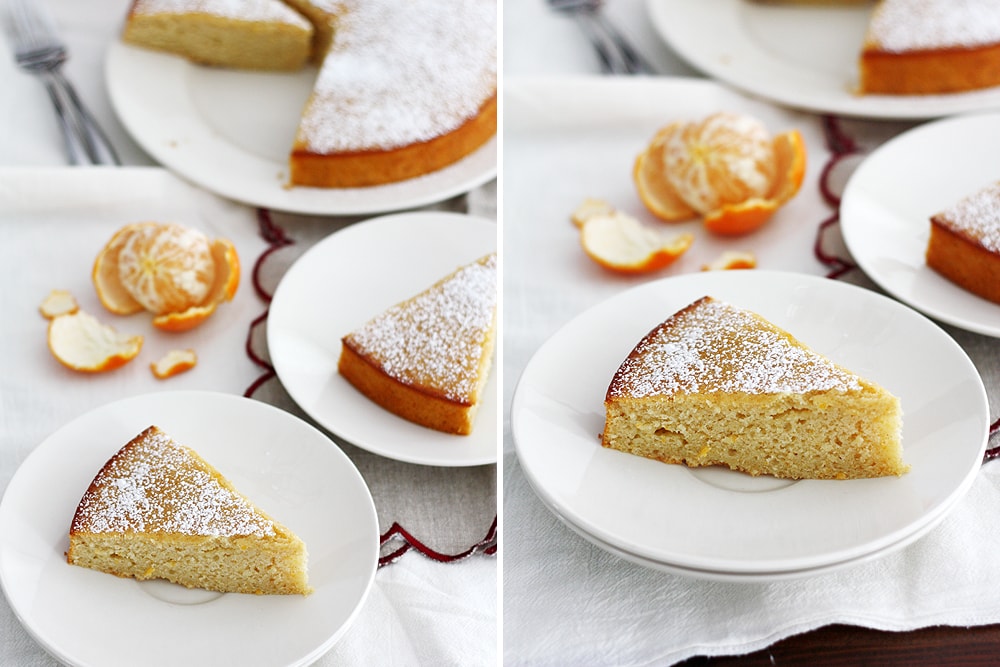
617,55
39,51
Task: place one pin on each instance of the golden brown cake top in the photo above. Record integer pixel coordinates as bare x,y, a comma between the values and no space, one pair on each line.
914,25
714,347
244,10
155,485
976,217
436,339
401,72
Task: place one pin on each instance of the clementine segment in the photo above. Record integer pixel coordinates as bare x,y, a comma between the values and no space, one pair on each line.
112,294
656,190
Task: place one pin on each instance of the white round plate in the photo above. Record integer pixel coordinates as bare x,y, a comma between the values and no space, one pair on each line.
887,204
231,132
342,282
756,577
287,467
801,56
717,520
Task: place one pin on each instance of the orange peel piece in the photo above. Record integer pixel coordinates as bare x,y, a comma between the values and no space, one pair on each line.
58,302
730,260
80,342
173,363
175,272
589,208
623,244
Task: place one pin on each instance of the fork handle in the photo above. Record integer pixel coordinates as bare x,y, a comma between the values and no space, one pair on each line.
86,142
74,149
612,59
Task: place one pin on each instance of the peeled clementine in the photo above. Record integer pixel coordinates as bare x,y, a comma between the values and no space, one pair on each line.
175,272
726,168
80,342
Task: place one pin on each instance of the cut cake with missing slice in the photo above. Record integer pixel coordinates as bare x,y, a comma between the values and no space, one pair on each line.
427,359
719,385
157,510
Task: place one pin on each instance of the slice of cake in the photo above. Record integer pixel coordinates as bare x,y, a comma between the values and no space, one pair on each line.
718,385
964,244
243,34
427,359
156,510
931,46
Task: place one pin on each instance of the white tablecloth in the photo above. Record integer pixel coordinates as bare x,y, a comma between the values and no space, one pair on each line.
418,611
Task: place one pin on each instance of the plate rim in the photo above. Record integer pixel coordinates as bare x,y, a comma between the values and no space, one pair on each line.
852,230
460,176
199,396
872,546
886,107
411,218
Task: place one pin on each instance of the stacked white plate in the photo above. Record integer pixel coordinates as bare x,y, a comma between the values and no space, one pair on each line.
718,524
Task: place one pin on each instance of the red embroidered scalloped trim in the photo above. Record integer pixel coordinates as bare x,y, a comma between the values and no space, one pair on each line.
276,239
487,546
841,146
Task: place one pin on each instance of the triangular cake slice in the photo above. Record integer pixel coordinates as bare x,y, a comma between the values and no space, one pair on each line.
244,34
427,359
157,510
719,385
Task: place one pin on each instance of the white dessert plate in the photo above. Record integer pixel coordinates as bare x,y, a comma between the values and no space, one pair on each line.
720,521
284,465
231,131
342,282
887,204
804,56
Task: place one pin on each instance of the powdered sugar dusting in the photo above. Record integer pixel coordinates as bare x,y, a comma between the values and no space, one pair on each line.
436,339
401,72
155,485
976,217
714,347
245,10
905,25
